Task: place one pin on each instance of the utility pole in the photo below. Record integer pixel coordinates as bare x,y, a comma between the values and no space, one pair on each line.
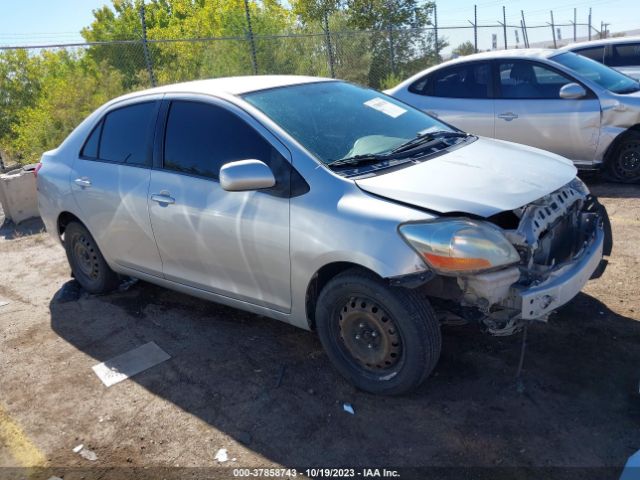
504,26
475,28
145,46
392,59
553,30
589,23
605,29
435,25
525,34
575,20
329,47
252,42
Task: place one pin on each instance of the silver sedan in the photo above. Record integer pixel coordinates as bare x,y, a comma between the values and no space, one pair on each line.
326,205
621,53
554,100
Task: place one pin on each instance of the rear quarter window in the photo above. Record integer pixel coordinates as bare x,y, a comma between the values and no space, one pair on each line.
420,86
90,149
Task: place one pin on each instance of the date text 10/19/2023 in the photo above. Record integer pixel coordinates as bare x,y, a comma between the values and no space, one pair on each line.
316,472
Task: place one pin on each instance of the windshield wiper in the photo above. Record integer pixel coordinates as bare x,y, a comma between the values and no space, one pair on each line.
427,137
420,140
359,160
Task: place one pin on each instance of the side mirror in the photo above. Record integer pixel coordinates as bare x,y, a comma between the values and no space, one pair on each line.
245,175
572,91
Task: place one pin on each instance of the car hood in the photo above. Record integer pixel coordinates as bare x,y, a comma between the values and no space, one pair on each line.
481,178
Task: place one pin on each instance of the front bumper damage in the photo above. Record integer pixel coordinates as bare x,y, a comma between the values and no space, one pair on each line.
563,284
561,249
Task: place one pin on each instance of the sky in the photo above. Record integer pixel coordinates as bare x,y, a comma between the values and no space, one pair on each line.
37,22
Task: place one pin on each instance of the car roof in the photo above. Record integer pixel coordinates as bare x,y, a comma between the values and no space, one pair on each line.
225,86
510,53
598,43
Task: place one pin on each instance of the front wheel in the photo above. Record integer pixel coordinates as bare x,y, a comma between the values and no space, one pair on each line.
623,163
385,340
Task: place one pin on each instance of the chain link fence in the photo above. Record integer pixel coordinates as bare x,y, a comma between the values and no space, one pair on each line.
46,90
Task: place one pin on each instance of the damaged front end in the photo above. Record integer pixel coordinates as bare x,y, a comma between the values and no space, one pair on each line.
560,238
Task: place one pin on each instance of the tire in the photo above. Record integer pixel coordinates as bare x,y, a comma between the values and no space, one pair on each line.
87,263
356,304
607,247
623,162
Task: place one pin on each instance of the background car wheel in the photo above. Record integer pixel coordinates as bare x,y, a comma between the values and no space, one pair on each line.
87,263
385,340
623,163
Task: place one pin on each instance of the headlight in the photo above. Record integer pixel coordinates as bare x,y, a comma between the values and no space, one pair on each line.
460,245
579,186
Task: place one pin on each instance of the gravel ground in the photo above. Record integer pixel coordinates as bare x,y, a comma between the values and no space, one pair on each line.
266,392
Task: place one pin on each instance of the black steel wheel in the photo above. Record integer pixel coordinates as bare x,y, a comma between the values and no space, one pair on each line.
87,263
385,340
368,335
623,163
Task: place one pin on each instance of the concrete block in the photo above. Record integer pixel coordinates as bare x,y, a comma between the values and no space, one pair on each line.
18,195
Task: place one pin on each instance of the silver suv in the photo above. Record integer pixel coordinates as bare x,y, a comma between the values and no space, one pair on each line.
550,99
325,205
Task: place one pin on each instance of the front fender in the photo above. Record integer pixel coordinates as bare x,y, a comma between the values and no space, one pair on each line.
357,228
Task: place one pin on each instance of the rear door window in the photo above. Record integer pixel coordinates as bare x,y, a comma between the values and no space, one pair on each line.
524,80
625,55
469,80
124,135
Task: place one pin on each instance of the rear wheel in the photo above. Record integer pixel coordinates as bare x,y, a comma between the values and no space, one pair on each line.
87,263
623,163
383,339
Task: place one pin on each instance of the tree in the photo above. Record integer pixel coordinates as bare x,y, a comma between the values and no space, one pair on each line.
72,86
396,40
45,94
465,48
185,19
20,84
314,11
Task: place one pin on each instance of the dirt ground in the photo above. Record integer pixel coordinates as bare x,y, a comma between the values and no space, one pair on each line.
266,392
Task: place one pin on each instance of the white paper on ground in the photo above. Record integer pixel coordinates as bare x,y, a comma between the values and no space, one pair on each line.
130,363
222,455
385,107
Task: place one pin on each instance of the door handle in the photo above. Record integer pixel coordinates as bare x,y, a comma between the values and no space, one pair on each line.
432,113
83,182
163,198
508,116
